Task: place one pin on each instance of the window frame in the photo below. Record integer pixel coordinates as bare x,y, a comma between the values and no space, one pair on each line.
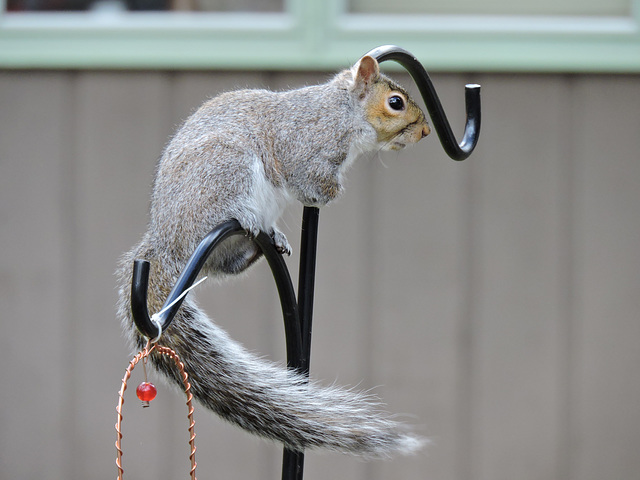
318,35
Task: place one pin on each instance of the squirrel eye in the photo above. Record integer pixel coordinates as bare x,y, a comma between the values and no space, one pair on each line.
396,102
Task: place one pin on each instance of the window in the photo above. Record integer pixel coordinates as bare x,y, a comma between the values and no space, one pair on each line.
494,7
146,5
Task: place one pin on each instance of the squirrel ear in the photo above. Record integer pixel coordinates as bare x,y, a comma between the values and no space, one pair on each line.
365,72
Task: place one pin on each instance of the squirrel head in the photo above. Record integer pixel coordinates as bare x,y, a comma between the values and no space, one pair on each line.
388,108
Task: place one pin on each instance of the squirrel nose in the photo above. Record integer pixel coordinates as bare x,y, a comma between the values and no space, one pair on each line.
425,130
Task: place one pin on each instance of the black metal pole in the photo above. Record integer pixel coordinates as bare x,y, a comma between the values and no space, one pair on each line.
306,278
293,461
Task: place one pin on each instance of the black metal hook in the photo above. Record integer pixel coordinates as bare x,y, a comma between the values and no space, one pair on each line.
151,329
431,100
140,282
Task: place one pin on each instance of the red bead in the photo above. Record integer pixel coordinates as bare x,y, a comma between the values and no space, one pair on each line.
146,391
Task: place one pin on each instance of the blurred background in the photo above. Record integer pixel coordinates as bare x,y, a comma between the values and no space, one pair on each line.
493,303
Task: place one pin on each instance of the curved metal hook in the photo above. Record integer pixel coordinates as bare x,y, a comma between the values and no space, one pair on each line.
140,284
441,124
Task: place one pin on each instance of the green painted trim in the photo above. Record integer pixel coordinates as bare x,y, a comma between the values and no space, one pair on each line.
318,35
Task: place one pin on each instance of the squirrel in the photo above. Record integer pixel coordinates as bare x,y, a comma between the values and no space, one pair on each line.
246,155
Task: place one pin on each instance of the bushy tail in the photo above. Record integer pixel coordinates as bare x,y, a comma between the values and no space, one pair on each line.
268,399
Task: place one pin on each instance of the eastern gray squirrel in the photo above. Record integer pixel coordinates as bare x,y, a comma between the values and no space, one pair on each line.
246,155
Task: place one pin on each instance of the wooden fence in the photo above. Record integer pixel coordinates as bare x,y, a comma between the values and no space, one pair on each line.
494,303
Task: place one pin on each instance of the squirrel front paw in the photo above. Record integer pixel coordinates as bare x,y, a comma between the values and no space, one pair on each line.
280,242
278,238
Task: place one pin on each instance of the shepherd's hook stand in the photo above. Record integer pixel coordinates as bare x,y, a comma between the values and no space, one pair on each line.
298,312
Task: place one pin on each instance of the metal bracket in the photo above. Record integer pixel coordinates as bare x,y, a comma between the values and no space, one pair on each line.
298,312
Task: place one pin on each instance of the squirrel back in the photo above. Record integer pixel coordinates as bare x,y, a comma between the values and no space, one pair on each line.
246,155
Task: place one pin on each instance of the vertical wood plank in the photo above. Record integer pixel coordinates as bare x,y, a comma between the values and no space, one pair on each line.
606,384
517,346
121,124
34,279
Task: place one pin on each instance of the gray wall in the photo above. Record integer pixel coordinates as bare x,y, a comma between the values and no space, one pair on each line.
493,302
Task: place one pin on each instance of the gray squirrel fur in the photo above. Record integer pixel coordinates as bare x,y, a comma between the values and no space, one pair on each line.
246,155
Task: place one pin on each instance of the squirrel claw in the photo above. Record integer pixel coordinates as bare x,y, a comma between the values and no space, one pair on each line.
282,250
281,243
252,234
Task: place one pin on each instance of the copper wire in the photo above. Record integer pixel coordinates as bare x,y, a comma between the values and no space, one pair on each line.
143,354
